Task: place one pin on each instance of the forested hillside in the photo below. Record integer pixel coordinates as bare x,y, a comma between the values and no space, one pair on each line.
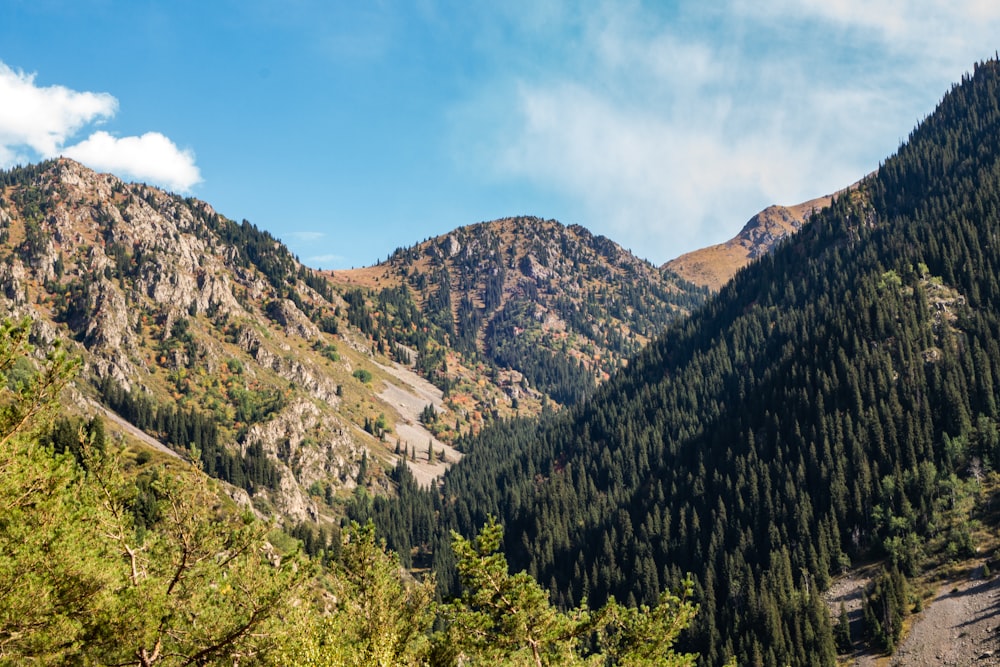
109,557
829,406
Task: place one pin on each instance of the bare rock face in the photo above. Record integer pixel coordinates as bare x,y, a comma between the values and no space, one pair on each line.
453,246
287,314
307,452
532,268
108,327
215,293
314,382
12,281
164,296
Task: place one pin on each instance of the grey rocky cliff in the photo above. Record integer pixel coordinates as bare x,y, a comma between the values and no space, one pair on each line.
308,452
158,293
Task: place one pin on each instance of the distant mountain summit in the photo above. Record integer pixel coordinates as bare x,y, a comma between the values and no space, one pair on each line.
712,267
559,305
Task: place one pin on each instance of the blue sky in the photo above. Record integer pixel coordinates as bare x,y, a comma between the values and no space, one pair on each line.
348,129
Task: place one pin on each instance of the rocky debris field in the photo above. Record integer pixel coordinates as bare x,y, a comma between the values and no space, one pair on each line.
959,626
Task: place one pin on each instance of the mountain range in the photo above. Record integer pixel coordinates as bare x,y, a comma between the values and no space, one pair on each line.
207,339
820,391
835,403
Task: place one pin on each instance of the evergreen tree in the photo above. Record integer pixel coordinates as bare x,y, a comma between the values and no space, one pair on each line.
842,631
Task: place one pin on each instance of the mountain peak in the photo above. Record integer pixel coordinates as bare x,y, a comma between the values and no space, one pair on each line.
561,306
713,266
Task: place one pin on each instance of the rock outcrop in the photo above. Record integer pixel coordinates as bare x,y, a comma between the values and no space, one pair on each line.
191,311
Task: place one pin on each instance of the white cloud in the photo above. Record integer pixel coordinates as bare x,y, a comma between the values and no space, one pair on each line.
938,35
42,118
670,129
38,121
898,19
655,186
323,260
150,157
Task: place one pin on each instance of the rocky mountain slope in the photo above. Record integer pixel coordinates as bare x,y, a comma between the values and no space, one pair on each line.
712,267
207,335
558,306
210,338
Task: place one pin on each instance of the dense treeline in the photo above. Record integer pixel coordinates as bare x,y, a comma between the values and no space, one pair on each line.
194,433
398,326
24,174
106,558
256,248
561,376
822,409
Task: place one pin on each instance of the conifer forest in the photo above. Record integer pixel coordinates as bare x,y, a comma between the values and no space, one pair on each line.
835,405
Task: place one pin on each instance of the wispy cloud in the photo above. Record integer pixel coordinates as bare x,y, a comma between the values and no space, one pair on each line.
306,236
934,26
324,260
670,128
39,121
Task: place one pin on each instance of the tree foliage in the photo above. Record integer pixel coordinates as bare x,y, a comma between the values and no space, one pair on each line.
46,510
107,562
823,408
508,619
378,617
83,580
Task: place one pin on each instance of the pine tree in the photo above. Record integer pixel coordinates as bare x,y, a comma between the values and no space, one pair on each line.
842,631
509,619
378,618
52,560
90,578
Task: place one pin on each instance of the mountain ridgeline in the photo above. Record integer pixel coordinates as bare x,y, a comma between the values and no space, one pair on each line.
827,407
294,386
715,265
187,322
560,306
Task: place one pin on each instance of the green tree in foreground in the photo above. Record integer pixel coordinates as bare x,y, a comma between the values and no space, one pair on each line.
203,586
52,571
103,562
505,619
81,582
377,619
